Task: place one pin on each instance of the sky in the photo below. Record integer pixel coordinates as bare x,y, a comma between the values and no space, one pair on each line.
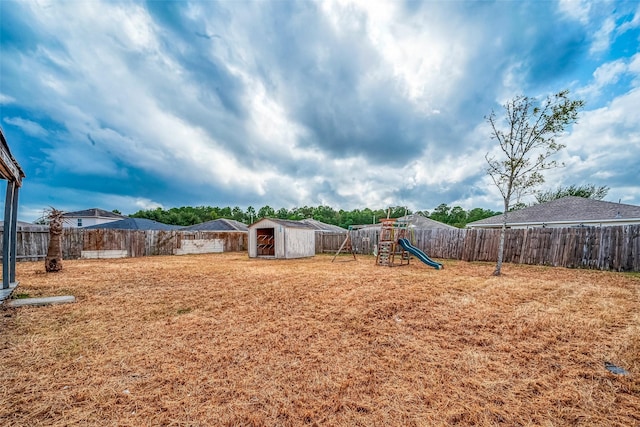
348,103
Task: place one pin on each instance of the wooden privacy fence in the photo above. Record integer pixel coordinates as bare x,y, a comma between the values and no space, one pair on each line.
76,242
603,248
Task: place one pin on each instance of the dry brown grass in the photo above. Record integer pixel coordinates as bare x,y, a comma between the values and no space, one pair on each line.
225,340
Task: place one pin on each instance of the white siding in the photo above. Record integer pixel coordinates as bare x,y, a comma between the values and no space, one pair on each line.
299,243
72,222
289,242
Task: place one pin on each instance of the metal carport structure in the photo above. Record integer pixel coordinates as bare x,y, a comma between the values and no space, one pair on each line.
11,171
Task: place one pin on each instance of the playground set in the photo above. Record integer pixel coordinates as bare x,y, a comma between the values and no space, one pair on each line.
394,247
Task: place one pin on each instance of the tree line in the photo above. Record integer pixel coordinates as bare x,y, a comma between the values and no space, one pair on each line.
189,215
455,216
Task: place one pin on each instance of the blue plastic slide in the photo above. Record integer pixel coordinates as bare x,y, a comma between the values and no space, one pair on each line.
406,244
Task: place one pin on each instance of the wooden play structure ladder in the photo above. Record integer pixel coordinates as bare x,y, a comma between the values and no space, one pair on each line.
390,253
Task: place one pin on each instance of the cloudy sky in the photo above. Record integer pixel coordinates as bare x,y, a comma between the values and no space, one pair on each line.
129,105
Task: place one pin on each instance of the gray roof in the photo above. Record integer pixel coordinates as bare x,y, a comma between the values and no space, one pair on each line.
321,226
220,224
285,223
567,209
423,223
93,213
134,224
416,221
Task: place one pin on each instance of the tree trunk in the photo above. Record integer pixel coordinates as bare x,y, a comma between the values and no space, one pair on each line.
53,261
498,269
503,232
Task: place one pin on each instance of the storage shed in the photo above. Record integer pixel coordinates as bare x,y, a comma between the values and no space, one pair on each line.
280,238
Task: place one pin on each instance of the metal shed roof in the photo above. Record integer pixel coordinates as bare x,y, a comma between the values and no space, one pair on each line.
284,223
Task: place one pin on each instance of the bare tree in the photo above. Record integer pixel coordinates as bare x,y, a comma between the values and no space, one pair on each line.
53,261
527,138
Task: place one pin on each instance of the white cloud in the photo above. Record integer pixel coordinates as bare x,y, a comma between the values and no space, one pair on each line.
602,143
634,23
29,127
6,99
602,37
426,63
575,9
606,74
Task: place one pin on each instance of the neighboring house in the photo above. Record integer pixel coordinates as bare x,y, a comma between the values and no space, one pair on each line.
281,238
134,224
221,224
568,211
89,217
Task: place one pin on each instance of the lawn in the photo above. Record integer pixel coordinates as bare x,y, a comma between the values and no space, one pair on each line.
225,340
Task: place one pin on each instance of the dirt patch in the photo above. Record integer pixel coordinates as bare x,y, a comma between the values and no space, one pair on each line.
222,339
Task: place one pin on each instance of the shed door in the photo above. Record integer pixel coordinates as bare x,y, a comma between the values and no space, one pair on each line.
265,242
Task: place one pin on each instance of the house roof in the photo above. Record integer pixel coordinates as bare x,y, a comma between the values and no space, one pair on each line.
567,209
284,223
92,213
220,224
134,224
321,226
423,223
416,221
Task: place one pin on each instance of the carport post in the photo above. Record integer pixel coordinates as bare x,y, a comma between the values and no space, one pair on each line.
9,235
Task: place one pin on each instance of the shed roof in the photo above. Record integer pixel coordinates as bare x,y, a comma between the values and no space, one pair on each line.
92,213
284,222
567,209
221,224
134,224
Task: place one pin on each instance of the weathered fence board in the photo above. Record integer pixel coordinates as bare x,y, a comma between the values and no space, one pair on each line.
603,248
32,245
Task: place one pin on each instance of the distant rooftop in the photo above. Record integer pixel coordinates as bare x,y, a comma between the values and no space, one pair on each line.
92,213
221,224
134,224
321,226
570,208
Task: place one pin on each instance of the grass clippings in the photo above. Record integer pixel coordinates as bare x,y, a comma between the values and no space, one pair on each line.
226,340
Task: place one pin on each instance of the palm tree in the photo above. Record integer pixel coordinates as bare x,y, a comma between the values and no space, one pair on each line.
53,261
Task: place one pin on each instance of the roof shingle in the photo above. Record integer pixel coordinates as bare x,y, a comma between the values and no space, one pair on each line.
570,208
